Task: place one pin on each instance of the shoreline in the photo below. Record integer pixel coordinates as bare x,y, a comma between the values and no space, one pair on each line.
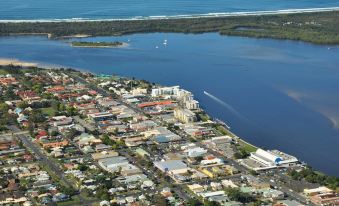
313,26
230,133
23,64
181,16
16,62
93,73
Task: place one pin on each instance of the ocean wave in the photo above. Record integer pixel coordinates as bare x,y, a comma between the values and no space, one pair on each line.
182,16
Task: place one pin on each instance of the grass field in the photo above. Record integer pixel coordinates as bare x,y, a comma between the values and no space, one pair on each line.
49,111
3,72
246,146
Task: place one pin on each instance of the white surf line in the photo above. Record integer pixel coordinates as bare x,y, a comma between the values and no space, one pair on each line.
208,15
227,106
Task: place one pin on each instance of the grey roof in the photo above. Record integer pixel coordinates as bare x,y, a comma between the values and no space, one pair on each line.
170,165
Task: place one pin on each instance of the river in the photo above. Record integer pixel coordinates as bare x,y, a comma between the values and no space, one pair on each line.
278,94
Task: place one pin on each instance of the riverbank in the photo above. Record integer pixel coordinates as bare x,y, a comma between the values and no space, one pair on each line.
314,27
15,62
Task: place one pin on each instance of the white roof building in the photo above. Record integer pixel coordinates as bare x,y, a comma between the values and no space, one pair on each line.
263,160
172,166
269,158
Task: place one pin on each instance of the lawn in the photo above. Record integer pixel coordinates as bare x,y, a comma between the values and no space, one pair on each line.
246,146
49,111
3,72
74,201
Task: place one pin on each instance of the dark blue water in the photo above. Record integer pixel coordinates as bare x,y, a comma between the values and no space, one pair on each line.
285,93
103,9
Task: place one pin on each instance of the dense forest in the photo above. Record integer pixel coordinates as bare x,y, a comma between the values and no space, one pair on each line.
319,28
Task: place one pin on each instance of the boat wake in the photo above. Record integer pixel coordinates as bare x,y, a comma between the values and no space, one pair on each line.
227,106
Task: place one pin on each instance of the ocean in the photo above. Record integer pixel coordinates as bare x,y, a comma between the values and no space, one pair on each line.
129,9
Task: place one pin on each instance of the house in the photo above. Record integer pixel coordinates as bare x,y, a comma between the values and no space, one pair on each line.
6,81
28,96
86,139
228,183
102,147
61,121
141,152
272,194
56,89
55,144
207,195
196,188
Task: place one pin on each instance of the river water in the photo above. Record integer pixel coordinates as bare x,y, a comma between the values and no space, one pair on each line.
275,94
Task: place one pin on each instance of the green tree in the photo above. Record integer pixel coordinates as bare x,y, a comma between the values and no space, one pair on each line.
210,203
4,108
22,105
38,88
37,117
10,94
160,201
236,195
193,202
71,111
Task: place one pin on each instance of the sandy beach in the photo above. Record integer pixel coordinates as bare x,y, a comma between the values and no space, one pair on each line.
15,62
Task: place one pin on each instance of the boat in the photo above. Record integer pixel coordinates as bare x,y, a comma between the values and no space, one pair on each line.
165,42
222,123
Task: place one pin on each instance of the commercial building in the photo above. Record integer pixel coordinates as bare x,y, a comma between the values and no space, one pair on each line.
100,116
165,91
195,152
192,104
322,196
185,115
172,166
263,160
112,164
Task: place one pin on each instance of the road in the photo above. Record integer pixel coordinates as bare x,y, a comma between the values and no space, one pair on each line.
42,158
4,135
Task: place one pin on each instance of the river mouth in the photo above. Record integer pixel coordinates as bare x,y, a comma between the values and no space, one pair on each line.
286,91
